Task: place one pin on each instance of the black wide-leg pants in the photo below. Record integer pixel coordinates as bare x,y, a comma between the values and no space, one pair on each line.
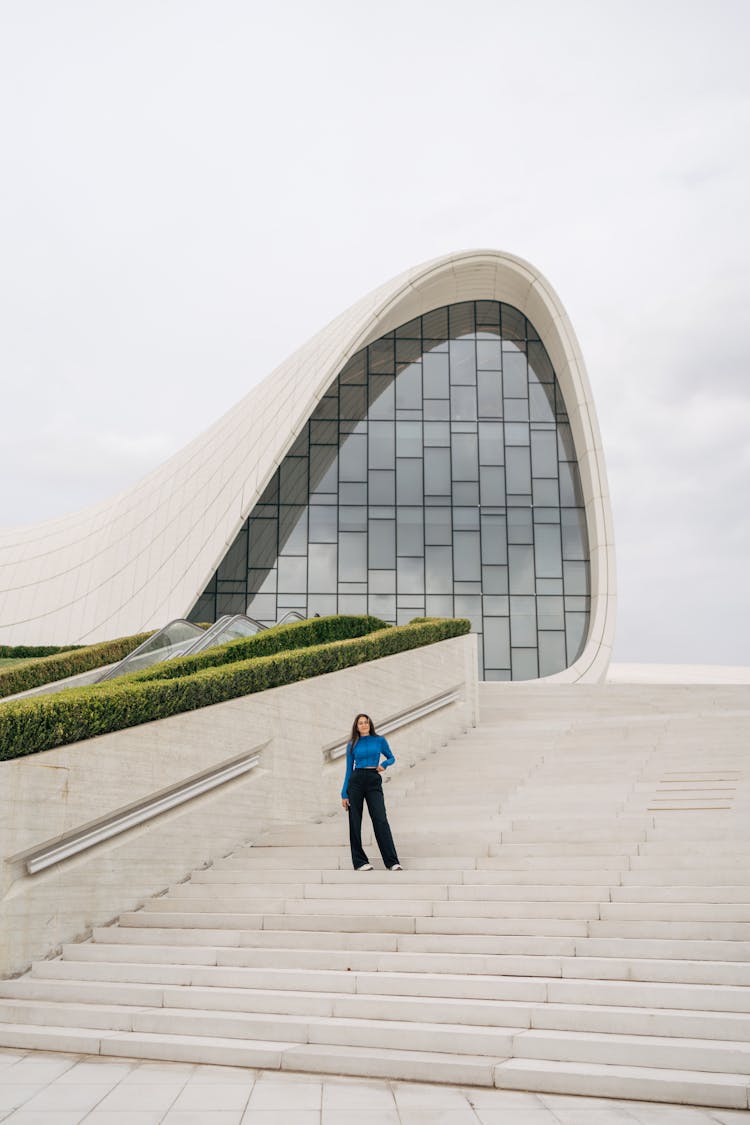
367,786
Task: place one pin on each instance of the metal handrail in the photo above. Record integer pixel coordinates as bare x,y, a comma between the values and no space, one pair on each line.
89,835
400,719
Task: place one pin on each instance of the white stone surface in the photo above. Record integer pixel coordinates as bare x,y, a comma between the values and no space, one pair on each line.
564,981
46,795
142,558
678,674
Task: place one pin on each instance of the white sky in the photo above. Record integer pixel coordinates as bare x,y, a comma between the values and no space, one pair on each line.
189,189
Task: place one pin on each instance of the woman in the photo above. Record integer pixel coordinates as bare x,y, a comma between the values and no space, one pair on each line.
363,782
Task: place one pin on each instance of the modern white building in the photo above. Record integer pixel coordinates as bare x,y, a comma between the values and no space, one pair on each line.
432,451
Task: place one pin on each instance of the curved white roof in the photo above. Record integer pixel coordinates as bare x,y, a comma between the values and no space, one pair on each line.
142,558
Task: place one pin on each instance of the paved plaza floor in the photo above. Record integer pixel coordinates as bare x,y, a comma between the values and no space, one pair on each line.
40,1088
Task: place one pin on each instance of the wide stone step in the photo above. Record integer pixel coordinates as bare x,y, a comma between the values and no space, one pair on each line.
340,1031
727,1057
655,1084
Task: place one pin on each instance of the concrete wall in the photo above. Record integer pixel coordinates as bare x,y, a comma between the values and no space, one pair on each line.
48,795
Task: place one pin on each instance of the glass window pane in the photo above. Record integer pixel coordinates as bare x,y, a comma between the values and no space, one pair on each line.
520,525
437,525
382,445
463,362
461,318
494,542
518,471
437,472
437,433
322,519
409,388
467,605
439,570
488,355
352,519
353,402
496,642
576,577
547,551
495,579
324,433
465,466
410,576
515,378
293,480
544,453
524,664
521,567
491,451
323,468
542,402
409,481
382,357
571,495
382,486
292,574
546,493
353,458
540,367
488,315
352,557
435,373
439,605
466,561
516,433
435,324
517,410
463,404
409,439
383,606
322,567
492,485
382,397
437,409
292,530
550,613
489,394
574,537
410,533
575,632
262,542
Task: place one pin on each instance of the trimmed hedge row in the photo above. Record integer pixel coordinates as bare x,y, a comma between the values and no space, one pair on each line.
20,652
30,725
49,669
279,638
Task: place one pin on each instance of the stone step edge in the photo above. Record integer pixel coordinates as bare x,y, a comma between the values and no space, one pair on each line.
727,1091
508,1006
637,1083
428,1066
362,976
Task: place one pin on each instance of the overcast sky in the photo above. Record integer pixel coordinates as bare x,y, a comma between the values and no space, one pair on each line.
189,189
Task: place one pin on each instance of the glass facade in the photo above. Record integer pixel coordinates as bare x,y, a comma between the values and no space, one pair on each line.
436,477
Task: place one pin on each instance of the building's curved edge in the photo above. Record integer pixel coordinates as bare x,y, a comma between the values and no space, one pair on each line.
119,567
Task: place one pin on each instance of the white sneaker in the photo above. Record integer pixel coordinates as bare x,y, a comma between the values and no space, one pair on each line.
397,867
364,867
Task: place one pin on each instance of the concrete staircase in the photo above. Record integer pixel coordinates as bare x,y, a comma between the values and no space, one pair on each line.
574,916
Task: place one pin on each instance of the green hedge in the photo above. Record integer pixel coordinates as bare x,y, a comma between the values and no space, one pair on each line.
21,652
49,669
30,725
279,638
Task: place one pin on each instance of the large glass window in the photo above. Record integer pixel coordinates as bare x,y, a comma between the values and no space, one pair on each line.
437,475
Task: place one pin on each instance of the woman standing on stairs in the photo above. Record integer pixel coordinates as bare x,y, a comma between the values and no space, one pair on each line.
364,782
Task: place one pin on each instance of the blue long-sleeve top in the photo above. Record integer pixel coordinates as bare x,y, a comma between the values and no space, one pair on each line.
367,753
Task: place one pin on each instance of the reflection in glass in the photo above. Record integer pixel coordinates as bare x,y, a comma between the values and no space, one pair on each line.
437,475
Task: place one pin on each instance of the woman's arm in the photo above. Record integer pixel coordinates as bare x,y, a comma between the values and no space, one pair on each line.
347,775
388,758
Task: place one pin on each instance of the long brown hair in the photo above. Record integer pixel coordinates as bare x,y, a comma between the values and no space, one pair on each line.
355,732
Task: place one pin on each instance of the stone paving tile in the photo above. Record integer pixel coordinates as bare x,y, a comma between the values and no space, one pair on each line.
212,1096
282,1117
431,1115
124,1117
416,1096
358,1095
93,1072
148,1097
482,1098
515,1115
202,1117
12,1097
279,1094
380,1116
46,1117
58,1096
